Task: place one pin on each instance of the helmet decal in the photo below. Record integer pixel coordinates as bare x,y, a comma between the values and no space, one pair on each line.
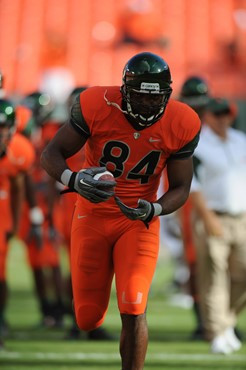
153,87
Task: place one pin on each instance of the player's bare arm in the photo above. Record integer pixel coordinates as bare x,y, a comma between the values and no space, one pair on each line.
16,199
65,143
179,177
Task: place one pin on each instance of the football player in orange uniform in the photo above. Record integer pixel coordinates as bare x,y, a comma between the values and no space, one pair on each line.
195,93
134,131
40,234
16,158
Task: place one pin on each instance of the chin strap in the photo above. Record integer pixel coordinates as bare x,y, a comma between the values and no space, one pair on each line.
114,104
130,112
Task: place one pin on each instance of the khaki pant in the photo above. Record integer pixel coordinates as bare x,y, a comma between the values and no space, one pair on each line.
221,273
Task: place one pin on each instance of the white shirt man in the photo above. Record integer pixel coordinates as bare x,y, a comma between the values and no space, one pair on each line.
219,199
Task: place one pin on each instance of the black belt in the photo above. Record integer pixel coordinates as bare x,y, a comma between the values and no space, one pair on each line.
221,213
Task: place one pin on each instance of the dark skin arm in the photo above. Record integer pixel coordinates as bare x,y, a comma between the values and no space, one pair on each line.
179,174
65,143
17,189
30,191
51,198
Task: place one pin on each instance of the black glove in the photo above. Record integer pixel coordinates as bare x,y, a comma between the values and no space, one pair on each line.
35,235
83,183
144,212
54,236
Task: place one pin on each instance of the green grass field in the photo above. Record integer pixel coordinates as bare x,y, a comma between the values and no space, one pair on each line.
169,329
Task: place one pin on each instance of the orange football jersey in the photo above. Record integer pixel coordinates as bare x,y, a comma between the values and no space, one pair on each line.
19,157
136,158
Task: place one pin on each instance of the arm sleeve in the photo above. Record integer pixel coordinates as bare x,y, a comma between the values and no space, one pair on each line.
77,119
187,150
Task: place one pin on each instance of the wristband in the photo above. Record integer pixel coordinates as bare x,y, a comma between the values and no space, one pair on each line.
157,209
36,216
65,176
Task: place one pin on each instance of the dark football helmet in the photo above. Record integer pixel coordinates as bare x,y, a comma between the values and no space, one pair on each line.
7,114
146,88
195,93
40,104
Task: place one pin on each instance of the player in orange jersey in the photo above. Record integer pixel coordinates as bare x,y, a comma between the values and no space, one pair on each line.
135,131
38,232
16,158
195,93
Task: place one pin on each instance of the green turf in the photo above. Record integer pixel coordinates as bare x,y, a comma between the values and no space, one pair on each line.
169,328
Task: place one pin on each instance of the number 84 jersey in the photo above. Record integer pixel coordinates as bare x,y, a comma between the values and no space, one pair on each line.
135,157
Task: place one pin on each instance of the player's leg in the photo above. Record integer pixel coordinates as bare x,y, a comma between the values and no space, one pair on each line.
51,263
92,271
185,217
135,257
35,256
133,341
3,283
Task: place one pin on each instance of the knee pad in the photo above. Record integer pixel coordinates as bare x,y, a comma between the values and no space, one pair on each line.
132,299
89,316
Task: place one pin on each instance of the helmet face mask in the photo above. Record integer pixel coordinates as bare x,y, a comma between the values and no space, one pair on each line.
146,88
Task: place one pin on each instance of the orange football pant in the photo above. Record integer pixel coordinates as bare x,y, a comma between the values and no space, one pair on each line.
3,254
101,247
5,226
48,255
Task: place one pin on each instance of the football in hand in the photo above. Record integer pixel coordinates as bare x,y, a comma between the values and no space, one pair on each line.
105,176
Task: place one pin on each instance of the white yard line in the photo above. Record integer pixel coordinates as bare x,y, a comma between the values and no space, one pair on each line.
113,356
